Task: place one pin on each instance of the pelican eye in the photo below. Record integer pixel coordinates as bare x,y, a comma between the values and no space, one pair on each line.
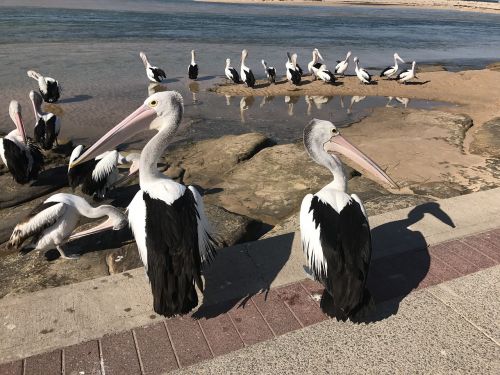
153,103
335,132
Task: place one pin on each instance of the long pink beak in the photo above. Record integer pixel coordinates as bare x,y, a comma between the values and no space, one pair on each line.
108,224
131,125
18,120
339,144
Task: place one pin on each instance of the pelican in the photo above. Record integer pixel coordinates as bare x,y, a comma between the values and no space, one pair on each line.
390,71
167,218
154,73
99,175
270,72
292,71
355,99
406,75
47,124
245,72
323,74
342,66
231,73
314,63
49,87
362,74
193,67
50,224
334,227
23,158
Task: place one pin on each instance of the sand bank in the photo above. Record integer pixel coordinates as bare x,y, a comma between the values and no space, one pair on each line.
469,6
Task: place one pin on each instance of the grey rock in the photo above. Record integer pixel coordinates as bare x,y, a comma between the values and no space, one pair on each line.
487,139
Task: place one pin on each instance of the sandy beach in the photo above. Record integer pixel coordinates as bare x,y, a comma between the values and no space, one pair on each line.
467,6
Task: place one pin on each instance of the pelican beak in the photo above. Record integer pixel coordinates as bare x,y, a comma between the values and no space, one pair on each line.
339,144
130,126
20,126
108,224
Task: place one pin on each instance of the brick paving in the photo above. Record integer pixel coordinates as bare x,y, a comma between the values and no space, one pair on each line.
232,325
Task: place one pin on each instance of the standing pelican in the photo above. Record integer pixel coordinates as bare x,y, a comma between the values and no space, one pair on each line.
245,72
23,159
154,73
315,62
47,124
363,75
97,176
342,66
49,87
406,75
293,73
334,227
193,67
323,74
231,73
390,71
167,218
270,72
50,224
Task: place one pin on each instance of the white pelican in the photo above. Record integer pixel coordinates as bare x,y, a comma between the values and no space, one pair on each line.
362,74
334,228
50,224
154,73
231,73
293,73
167,218
406,75
270,72
47,124
193,67
245,72
315,62
323,74
99,175
49,87
390,71
342,66
23,158
403,101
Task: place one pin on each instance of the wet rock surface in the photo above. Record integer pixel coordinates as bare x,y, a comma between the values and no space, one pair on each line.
487,139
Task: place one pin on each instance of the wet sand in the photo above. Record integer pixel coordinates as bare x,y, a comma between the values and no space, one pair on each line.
467,6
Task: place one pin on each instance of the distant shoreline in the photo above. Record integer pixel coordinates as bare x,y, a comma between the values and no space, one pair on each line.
457,5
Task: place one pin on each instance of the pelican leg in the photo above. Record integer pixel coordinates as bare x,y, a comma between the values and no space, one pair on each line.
63,254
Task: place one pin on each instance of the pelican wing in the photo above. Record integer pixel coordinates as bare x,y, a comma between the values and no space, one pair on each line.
310,236
41,218
365,74
158,74
207,244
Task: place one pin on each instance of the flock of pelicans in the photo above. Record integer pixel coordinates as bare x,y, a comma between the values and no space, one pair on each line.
167,218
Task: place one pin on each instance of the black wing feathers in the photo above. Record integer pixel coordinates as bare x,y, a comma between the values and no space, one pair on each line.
159,74
193,71
250,79
236,76
174,263
53,92
346,242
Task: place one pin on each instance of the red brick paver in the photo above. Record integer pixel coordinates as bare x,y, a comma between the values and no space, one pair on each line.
222,328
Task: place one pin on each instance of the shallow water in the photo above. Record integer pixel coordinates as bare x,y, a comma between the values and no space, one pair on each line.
94,54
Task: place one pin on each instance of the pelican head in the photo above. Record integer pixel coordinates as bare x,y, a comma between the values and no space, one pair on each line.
228,63
356,59
348,55
289,57
316,52
144,59
396,57
160,105
15,115
244,55
322,139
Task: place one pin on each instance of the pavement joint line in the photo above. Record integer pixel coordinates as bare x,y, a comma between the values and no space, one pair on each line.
236,329
308,292
101,358
63,365
478,250
263,317
463,317
172,343
443,260
294,315
141,365
205,337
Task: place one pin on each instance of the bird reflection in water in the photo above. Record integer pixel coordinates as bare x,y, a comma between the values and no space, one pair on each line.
355,99
194,87
291,100
245,103
153,88
404,101
266,100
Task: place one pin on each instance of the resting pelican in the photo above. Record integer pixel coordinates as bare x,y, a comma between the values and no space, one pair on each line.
167,218
293,73
49,87
23,158
342,66
99,175
314,63
362,74
193,67
390,71
245,72
323,74
334,227
231,73
50,224
270,72
406,75
47,124
154,73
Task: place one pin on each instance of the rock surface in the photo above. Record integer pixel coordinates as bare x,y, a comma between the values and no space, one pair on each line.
487,139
